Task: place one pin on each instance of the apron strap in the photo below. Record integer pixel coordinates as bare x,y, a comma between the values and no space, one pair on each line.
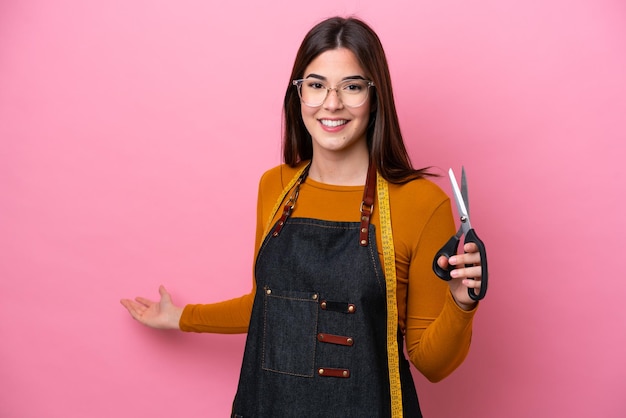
366,209
298,178
367,205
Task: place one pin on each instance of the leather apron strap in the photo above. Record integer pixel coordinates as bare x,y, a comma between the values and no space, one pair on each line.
366,209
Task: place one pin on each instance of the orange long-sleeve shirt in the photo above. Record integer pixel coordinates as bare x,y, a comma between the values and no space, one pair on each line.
437,331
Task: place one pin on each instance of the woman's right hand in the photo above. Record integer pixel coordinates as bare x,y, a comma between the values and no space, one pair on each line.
162,314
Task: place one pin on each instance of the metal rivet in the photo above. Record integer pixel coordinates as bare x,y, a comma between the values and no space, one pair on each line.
320,371
364,230
320,336
363,242
268,291
351,308
323,305
345,373
314,296
350,341
275,234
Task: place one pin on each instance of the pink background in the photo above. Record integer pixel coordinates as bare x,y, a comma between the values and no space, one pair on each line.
133,135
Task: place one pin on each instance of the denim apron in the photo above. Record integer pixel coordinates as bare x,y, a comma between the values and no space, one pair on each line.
316,344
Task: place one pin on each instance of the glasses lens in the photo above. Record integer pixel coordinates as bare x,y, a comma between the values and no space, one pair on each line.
352,93
312,92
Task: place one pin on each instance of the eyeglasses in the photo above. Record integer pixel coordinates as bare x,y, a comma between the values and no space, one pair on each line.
313,92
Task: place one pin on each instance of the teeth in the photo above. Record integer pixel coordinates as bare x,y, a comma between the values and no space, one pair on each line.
333,123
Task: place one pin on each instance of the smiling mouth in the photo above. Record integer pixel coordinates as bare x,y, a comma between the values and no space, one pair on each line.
333,123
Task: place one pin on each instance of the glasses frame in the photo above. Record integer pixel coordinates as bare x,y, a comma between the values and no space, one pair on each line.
298,84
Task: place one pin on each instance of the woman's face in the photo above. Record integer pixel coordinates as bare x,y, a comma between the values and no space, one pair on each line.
336,129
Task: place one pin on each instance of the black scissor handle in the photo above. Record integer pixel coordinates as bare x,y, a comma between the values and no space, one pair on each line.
448,250
472,237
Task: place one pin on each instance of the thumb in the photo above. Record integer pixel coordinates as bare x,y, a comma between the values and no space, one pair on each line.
443,262
165,296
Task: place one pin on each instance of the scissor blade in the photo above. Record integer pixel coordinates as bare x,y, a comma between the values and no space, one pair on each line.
464,191
460,203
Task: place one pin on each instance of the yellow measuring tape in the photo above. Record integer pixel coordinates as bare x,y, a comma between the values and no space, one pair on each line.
389,261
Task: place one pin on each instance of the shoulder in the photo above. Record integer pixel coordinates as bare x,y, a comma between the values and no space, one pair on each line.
279,176
417,207
274,181
422,195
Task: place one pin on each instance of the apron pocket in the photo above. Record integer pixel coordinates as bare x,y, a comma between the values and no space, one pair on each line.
289,331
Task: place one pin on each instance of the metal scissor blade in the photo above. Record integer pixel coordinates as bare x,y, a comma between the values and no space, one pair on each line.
460,203
464,191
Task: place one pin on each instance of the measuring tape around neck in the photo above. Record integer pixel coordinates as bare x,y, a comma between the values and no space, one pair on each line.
389,261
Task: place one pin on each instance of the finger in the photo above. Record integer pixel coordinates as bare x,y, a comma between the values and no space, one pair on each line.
474,272
470,247
473,284
463,259
126,303
442,262
134,309
145,302
132,305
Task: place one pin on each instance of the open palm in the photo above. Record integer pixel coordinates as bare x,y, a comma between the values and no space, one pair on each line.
162,314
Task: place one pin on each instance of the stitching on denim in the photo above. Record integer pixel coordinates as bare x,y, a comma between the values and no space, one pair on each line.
266,298
302,221
374,257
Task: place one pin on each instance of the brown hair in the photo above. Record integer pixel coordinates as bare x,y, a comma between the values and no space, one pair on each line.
384,139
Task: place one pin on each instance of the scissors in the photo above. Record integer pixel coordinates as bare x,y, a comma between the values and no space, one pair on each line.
451,247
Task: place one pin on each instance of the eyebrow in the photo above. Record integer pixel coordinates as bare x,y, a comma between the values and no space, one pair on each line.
321,77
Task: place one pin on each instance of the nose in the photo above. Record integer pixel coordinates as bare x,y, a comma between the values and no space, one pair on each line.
333,101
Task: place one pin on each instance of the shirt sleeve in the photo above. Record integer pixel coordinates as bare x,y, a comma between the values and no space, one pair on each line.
438,331
228,317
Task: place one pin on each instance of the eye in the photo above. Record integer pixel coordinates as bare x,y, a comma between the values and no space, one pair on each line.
353,86
315,85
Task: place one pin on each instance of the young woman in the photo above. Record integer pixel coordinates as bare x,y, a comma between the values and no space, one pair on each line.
346,234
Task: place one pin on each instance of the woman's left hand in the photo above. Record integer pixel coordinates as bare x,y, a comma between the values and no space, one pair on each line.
463,277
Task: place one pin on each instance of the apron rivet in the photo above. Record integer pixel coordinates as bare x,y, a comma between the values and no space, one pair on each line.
363,242
320,371
315,296
268,291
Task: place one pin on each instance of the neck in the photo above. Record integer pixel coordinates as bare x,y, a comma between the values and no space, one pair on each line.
340,171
